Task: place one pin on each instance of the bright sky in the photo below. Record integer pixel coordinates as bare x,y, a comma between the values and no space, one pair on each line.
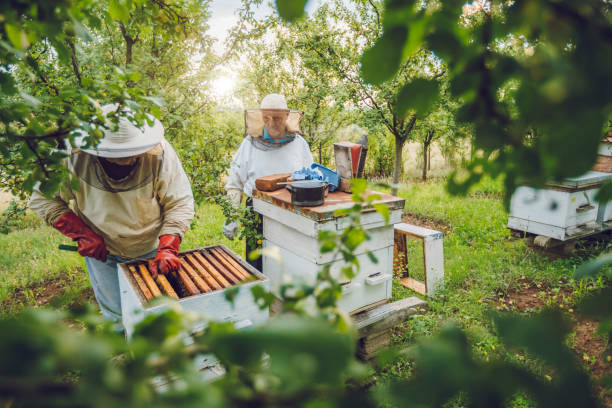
222,19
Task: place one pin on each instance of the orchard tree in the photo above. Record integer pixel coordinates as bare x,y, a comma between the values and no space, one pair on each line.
343,33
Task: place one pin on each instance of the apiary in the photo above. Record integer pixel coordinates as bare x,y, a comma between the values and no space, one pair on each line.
292,232
200,285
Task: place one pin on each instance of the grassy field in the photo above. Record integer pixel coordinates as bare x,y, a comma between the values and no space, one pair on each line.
485,269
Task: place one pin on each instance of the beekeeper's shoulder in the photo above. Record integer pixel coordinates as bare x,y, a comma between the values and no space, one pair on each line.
300,139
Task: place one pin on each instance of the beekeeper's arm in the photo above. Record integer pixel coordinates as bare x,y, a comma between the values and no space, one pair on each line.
174,194
306,154
237,178
56,212
49,209
176,201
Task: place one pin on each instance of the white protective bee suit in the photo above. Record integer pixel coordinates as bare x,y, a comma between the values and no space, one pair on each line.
261,155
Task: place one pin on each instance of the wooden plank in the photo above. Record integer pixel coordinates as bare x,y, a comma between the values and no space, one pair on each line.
416,231
368,307
149,281
211,269
141,284
399,253
418,287
269,183
370,345
166,287
189,285
388,315
231,260
199,268
220,268
194,276
222,258
433,256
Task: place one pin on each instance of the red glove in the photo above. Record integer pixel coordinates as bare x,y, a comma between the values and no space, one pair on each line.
166,260
89,243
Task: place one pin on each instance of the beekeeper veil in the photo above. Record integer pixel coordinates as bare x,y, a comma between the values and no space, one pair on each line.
272,125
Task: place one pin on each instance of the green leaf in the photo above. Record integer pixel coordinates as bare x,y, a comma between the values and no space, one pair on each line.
604,194
381,61
230,294
327,246
7,83
354,238
17,36
134,76
358,186
290,10
383,210
592,268
118,10
419,95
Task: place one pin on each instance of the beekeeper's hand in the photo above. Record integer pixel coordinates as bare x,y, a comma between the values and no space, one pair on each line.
166,260
230,230
89,243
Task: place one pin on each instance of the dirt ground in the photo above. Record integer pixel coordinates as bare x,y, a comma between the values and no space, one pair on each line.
414,219
588,346
47,294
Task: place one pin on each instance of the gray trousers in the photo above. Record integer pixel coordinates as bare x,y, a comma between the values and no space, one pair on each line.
105,283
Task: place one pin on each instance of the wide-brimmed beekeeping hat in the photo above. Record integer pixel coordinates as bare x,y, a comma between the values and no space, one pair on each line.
274,105
126,140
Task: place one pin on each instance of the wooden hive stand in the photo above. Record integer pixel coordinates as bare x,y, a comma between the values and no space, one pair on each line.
433,255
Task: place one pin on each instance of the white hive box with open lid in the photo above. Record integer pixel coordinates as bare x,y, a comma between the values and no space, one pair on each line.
294,231
210,272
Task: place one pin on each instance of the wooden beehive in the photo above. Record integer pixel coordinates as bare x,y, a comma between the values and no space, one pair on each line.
199,286
202,271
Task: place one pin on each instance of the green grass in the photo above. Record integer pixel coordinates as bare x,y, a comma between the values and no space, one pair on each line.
30,258
481,260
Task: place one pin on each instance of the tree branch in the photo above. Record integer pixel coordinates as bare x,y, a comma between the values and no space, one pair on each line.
75,65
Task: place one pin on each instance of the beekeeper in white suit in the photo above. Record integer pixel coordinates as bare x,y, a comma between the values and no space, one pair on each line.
133,200
272,145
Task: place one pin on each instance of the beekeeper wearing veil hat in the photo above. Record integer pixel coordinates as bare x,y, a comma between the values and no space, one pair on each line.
272,145
133,201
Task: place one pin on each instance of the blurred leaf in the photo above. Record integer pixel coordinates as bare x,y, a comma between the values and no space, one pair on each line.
382,60
358,186
383,210
353,238
16,36
418,95
290,10
541,335
604,194
118,10
592,268
230,294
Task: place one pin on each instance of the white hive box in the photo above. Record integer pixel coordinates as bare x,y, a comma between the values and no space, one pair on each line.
294,230
562,211
211,305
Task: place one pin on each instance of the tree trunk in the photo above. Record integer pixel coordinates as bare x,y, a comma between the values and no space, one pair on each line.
320,152
397,164
425,159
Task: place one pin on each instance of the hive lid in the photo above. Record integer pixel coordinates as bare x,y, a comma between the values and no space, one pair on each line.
590,177
334,201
